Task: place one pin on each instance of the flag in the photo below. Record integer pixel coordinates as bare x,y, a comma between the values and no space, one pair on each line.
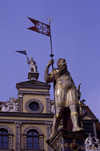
40,27
23,52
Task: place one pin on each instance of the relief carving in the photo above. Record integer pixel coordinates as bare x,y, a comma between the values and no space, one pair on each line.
10,106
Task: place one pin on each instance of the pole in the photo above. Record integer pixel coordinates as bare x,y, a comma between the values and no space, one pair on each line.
51,55
27,57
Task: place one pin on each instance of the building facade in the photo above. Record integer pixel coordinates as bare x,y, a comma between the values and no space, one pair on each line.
26,121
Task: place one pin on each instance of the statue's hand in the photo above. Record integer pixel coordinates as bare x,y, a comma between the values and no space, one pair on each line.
50,62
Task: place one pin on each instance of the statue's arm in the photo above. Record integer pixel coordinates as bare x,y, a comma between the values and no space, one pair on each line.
28,62
48,77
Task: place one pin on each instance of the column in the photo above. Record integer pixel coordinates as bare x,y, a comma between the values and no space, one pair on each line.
48,103
48,124
20,107
18,137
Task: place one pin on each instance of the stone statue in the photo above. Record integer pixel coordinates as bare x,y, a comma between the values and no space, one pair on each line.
66,94
10,106
92,144
33,66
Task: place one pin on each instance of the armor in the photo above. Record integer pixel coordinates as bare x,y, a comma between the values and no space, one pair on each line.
66,94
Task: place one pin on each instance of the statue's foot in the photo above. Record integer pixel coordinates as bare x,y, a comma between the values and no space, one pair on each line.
75,129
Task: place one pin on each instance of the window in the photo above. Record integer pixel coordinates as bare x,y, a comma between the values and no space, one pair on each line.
34,106
32,139
3,139
88,128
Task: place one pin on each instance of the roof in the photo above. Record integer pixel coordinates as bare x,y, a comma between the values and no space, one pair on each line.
33,84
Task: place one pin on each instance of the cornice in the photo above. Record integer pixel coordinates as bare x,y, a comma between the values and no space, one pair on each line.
21,114
26,121
33,92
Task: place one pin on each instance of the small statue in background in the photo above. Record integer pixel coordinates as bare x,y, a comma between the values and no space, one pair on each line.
11,105
33,66
66,94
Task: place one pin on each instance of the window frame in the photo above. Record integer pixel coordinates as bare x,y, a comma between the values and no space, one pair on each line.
10,137
32,137
89,131
2,138
41,106
40,134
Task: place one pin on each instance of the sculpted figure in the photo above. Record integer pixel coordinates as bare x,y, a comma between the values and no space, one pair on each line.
66,94
33,66
10,106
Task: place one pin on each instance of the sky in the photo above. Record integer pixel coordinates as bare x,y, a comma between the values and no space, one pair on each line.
75,32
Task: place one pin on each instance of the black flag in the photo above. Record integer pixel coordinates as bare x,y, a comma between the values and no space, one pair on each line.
23,52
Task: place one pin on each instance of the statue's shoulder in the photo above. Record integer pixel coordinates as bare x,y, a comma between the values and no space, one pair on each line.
55,71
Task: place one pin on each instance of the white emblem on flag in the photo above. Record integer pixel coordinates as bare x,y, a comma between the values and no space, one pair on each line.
42,28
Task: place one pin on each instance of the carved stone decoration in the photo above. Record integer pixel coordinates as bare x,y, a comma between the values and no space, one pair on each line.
18,136
24,142
41,137
48,104
31,128
10,142
7,128
37,101
20,106
48,124
92,144
10,133
52,106
41,142
10,106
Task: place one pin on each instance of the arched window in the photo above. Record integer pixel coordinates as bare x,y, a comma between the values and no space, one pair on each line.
32,139
3,139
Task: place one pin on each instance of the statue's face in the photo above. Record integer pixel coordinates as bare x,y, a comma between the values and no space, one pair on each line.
61,63
31,58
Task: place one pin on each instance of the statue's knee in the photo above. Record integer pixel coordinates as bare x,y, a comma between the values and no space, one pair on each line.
73,108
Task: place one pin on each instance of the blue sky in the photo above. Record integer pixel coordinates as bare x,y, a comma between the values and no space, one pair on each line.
75,31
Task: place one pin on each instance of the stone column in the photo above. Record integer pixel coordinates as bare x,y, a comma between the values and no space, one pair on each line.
24,142
48,103
10,142
41,142
18,137
48,124
20,107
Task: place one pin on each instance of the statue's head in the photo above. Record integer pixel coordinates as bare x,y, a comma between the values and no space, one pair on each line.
61,63
31,58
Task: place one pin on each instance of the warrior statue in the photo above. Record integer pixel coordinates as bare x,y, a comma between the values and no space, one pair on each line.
66,94
33,66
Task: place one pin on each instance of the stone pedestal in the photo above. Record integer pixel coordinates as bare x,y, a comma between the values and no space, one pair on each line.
33,75
68,141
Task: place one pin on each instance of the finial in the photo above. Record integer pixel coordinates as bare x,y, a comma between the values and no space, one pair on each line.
49,19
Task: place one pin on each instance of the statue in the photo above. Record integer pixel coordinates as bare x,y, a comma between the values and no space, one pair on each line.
10,106
66,94
33,66
92,143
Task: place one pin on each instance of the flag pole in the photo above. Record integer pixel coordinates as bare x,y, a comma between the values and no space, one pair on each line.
27,56
51,55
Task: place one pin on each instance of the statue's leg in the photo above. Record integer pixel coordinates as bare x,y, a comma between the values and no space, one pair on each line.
56,120
74,117
34,68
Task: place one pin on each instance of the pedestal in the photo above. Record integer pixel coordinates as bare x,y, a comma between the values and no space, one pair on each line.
68,141
33,75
